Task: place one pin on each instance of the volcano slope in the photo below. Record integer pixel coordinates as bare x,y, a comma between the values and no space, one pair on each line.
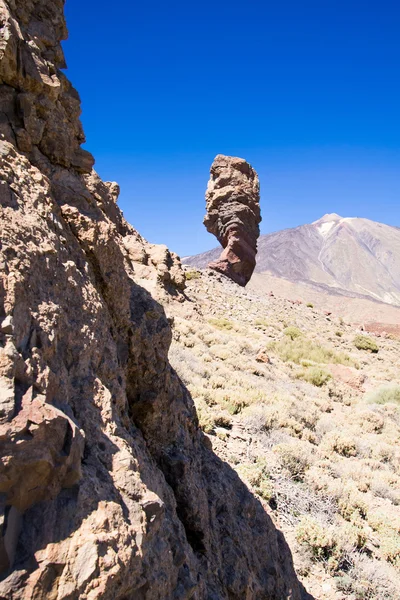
306,408
349,265
108,487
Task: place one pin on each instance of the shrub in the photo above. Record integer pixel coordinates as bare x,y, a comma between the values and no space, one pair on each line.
390,548
363,342
292,332
372,579
219,351
192,275
384,395
223,324
339,333
338,442
315,376
261,323
294,458
310,305
222,420
209,420
330,544
302,349
234,405
258,477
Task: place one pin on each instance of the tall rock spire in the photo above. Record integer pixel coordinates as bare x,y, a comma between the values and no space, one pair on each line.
233,216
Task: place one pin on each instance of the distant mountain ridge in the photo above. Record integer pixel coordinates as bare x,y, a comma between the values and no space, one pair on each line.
348,256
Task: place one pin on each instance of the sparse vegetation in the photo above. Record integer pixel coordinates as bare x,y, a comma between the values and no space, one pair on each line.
363,342
192,275
301,349
385,394
223,324
261,323
332,545
292,332
258,477
315,375
326,456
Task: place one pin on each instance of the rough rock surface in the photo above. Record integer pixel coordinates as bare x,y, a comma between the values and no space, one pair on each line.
108,488
233,216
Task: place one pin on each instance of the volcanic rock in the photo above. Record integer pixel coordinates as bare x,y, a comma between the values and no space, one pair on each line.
233,216
108,488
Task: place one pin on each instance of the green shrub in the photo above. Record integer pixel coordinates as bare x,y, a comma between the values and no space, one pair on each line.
339,333
363,342
192,275
315,375
294,458
310,305
258,477
292,332
223,324
302,349
330,544
384,395
261,324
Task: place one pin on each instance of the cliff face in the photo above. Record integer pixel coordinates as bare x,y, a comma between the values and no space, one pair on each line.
108,489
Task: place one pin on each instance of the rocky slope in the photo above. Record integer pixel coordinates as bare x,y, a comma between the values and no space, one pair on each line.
233,216
306,408
342,256
109,488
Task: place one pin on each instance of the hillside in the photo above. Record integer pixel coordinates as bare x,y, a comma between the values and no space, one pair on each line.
342,256
306,408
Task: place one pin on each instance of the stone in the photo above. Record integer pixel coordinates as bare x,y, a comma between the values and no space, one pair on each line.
348,375
7,325
233,216
263,357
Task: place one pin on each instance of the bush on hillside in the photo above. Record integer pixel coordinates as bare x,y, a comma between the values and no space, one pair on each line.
384,395
301,349
192,275
363,342
315,375
292,332
223,324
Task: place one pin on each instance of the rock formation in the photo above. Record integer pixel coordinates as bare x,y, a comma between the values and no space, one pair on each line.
108,488
233,216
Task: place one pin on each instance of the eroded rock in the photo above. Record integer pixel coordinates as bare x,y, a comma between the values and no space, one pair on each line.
233,216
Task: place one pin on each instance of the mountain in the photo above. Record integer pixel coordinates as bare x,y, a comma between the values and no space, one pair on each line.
346,256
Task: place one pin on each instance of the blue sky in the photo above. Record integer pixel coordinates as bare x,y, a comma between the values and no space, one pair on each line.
308,92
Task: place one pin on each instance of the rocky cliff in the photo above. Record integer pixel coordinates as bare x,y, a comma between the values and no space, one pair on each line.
233,216
108,489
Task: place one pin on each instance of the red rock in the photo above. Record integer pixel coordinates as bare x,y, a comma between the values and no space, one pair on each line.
233,216
263,357
348,375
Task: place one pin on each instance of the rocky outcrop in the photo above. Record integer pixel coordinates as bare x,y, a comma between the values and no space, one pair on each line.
108,489
233,216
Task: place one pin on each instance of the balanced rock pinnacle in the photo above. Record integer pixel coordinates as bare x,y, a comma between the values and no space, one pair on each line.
233,216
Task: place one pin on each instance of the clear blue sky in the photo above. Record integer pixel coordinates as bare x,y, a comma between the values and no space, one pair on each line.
307,91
